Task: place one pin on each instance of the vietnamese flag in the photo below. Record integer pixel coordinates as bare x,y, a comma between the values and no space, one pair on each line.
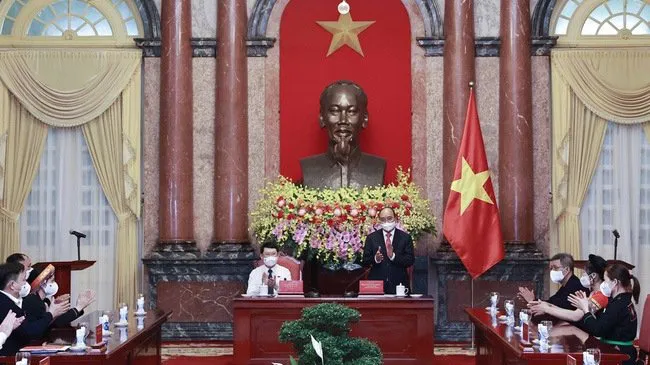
471,222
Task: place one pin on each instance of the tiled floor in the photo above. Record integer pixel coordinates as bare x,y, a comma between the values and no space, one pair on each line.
221,354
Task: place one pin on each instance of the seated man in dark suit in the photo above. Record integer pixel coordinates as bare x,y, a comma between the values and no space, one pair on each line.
561,266
14,286
389,251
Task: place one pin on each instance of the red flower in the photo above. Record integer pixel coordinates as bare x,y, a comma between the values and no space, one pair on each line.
291,206
279,198
362,207
343,217
405,197
407,212
395,205
280,214
347,207
291,216
330,222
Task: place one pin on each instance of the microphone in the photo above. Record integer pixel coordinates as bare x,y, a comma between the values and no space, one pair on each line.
77,234
352,294
616,237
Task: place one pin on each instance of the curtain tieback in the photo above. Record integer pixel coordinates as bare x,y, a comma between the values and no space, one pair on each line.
9,214
124,216
573,210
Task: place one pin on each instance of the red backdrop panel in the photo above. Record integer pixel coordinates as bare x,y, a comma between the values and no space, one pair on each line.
384,73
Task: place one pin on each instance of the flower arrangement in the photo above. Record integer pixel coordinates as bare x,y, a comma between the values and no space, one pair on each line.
332,224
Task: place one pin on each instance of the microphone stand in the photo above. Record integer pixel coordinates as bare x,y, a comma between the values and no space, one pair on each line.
78,248
352,294
616,236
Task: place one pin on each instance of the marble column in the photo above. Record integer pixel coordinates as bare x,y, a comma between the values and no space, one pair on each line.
176,217
516,171
458,72
231,133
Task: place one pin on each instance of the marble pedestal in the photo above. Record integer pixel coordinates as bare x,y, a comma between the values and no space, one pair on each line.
524,265
198,287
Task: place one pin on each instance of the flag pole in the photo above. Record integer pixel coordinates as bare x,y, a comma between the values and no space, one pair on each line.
473,346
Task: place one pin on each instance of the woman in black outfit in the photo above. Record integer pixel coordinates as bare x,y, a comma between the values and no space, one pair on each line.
617,324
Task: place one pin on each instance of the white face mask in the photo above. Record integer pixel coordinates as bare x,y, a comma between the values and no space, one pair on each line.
584,280
51,289
557,276
270,261
606,288
388,226
24,290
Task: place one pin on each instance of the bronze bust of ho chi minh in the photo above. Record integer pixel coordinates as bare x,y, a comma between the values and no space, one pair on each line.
344,113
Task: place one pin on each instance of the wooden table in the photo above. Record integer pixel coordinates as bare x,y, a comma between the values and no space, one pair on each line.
128,345
496,344
402,327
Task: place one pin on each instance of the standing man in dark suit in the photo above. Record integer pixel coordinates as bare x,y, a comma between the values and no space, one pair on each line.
389,252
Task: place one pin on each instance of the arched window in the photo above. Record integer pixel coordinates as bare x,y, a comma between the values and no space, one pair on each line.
84,20
602,23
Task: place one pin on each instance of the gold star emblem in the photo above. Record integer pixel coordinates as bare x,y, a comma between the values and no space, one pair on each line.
345,31
470,186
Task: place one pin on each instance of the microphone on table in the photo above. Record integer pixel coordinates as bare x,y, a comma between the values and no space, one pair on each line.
78,234
352,294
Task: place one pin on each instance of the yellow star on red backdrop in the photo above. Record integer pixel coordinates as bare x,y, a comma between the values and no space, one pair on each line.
470,186
345,31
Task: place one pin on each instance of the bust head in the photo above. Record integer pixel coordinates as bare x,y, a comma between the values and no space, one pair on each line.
344,113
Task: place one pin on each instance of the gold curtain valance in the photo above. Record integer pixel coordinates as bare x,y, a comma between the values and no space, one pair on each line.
614,84
67,88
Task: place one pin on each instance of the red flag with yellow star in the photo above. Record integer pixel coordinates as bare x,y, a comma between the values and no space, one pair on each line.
471,222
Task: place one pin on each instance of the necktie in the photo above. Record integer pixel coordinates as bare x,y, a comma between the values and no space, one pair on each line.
270,292
388,241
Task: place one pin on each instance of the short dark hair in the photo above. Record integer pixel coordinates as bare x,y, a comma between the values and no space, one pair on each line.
270,245
362,98
9,272
565,259
596,265
16,258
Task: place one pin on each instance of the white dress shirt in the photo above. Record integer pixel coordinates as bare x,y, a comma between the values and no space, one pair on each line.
392,240
18,301
255,278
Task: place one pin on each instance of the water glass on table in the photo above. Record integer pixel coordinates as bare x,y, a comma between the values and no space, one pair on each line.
23,358
510,311
591,356
544,331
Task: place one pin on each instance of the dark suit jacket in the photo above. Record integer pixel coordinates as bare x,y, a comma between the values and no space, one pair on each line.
34,306
392,272
29,330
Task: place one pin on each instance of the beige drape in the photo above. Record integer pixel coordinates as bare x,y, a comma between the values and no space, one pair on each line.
65,88
590,87
104,138
25,141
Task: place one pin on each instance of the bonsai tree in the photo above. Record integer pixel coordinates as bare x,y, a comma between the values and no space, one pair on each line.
329,323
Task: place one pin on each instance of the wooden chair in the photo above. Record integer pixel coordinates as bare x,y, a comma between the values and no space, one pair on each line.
644,335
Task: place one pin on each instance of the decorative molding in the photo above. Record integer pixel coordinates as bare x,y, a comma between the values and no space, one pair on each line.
485,46
541,21
205,47
150,18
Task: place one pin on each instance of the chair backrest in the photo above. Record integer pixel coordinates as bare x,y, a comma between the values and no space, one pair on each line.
644,335
294,266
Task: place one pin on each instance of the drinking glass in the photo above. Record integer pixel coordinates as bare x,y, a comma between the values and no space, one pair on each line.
544,329
594,356
494,299
510,311
23,358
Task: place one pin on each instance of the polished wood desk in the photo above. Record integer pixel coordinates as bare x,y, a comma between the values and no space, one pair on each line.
497,345
128,345
402,327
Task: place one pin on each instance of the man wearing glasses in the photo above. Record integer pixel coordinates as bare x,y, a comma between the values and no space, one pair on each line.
389,252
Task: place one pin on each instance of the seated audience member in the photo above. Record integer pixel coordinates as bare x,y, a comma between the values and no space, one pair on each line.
14,288
268,274
561,266
618,323
43,289
10,323
21,258
590,279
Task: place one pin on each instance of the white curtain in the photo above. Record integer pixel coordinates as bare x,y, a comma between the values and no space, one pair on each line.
66,195
619,198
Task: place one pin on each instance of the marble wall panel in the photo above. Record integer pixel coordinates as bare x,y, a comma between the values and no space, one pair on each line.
150,139
486,18
433,188
487,97
256,130
199,301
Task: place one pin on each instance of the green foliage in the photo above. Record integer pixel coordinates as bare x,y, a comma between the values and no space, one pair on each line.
330,324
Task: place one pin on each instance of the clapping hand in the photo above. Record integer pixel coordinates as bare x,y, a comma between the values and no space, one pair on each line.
62,298
379,257
580,301
85,298
58,308
9,323
526,294
268,280
538,307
